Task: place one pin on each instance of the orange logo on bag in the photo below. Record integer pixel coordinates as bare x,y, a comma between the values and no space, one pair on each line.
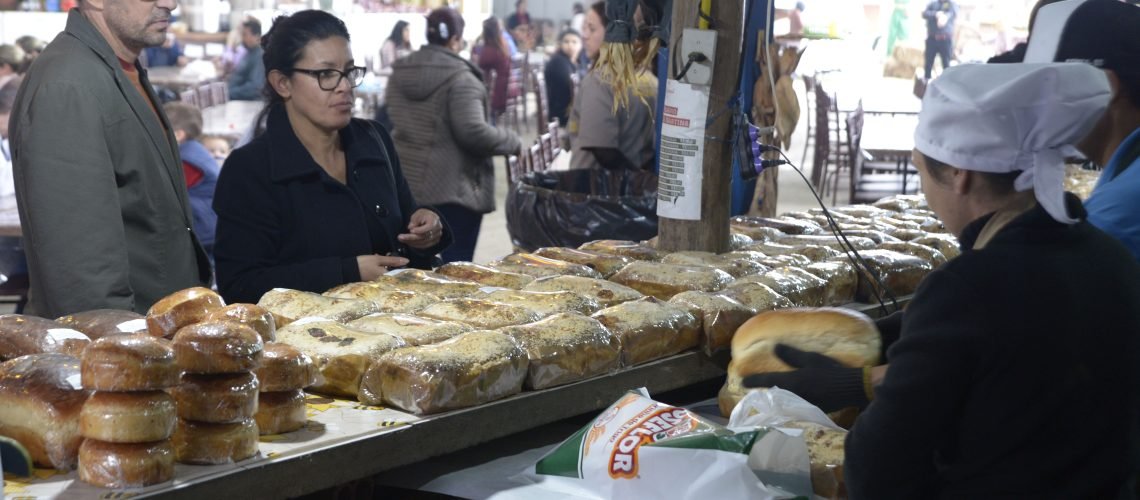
599,426
657,426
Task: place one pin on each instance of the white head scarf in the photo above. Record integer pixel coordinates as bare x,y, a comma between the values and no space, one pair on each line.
1013,117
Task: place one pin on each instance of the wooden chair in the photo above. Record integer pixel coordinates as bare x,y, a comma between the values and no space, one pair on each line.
205,96
190,97
219,93
537,159
809,111
546,144
539,85
872,180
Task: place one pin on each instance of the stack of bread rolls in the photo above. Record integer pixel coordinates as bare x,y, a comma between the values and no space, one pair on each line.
283,373
129,419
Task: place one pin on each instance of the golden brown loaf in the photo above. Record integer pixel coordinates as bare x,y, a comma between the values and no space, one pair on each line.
536,272
280,412
481,314
624,248
666,280
40,403
181,308
736,265
757,233
288,306
828,240
543,303
484,275
128,417
899,273
217,399
929,254
607,293
413,330
802,288
100,323
650,329
125,465
755,295
566,348
561,266
285,368
604,264
841,280
341,354
778,261
719,316
386,299
253,316
217,347
815,253
20,335
944,243
786,225
137,362
211,444
415,280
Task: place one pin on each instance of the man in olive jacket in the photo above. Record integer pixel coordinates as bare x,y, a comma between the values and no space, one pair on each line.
99,183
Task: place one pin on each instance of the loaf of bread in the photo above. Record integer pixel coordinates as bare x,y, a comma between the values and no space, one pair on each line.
847,336
899,273
413,330
217,399
284,368
624,248
786,225
415,280
484,275
720,316
607,293
830,241
874,235
341,354
202,443
944,243
181,308
481,314
217,347
842,281
778,261
468,370
137,362
535,272
900,202
288,306
386,299
280,412
897,223
253,316
100,323
543,303
757,233
563,267
40,403
125,465
737,241
21,335
756,296
605,264
928,223
128,417
825,455
666,280
650,329
929,254
814,252
736,265
566,348
802,288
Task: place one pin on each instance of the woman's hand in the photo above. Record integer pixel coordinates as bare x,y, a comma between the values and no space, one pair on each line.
424,230
374,266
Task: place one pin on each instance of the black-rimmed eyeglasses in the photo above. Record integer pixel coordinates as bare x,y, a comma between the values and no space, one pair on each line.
328,79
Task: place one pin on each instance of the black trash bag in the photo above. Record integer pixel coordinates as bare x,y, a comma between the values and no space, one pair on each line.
569,208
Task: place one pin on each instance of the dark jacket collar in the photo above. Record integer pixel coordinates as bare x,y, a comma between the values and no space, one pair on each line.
1034,225
289,158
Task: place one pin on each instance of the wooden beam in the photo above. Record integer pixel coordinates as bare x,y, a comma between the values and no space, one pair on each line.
711,233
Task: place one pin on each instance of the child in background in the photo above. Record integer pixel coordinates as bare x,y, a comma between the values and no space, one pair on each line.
219,147
200,168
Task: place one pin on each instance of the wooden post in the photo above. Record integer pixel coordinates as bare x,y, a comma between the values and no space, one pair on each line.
711,232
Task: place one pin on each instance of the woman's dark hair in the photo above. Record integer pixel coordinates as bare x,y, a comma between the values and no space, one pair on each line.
599,8
1002,183
493,35
578,9
443,24
397,36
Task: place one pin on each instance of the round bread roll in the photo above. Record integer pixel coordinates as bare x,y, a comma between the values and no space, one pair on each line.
217,347
285,368
217,399
251,315
280,412
99,323
211,444
125,465
124,363
128,417
181,308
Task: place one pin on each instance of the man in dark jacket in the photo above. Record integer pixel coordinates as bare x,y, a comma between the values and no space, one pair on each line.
940,16
248,78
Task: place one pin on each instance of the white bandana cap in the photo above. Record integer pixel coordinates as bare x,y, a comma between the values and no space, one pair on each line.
1002,118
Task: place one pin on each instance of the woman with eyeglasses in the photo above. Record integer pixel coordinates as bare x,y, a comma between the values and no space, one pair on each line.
318,199
438,104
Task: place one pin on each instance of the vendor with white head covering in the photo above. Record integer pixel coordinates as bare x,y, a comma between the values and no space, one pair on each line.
1015,374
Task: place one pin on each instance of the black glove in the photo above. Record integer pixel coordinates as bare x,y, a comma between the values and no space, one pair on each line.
819,379
890,329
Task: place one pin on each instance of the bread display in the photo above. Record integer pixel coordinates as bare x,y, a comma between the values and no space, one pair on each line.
21,335
481,314
181,308
934,257
280,412
624,248
341,354
666,280
719,316
415,280
125,465
288,306
650,329
99,323
801,287
40,404
786,225
607,293
253,316
815,253
413,330
944,243
899,273
566,348
842,280
211,444
128,417
756,296
484,275
561,266
543,303
471,369
217,347
735,264
605,264
284,368
847,336
137,362
217,399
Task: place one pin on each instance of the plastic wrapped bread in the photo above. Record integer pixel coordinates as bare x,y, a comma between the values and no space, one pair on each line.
897,222
929,254
756,296
607,293
828,240
566,348
879,237
386,299
125,465
253,316
40,403
825,455
605,264
814,252
666,280
99,323
468,370
900,202
801,287
842,280
791,259
415,280
181,308
786,225
284,368
899,273
757,233
484,275
341,354
413,330
928,223
288,306
650,329
738,241
736,265
861,211
543,303
21,335
944,243
720,317
560,266
482,314
624,248
536,272
907,234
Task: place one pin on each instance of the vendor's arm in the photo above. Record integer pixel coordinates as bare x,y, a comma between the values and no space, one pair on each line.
469,126
69,203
